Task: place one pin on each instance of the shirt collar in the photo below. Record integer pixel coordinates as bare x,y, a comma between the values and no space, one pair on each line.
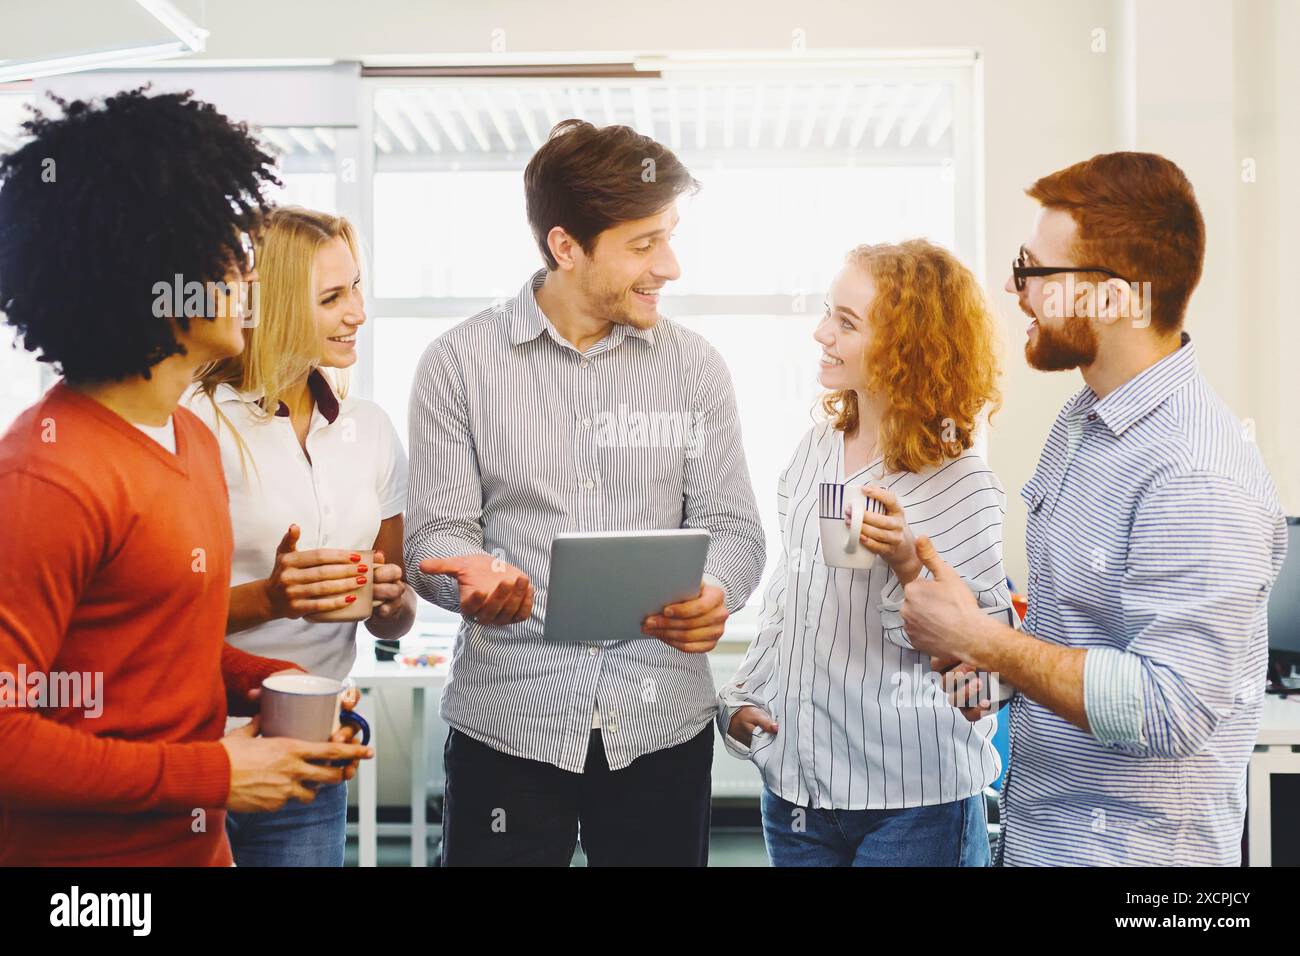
1147,390
327,402
527,320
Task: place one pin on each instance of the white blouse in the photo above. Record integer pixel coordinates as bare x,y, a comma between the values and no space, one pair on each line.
355,478
863,723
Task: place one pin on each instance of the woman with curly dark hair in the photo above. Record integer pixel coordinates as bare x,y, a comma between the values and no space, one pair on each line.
124,230
865,761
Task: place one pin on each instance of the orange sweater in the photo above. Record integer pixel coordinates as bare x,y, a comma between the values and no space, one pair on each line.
116,562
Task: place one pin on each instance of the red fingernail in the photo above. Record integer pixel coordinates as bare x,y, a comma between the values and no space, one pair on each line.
361,569
361,580
354,557
349,599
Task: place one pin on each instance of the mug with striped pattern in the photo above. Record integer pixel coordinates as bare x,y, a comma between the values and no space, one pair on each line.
841,544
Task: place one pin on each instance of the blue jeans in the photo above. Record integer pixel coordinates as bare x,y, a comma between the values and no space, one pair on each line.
945,834
298,834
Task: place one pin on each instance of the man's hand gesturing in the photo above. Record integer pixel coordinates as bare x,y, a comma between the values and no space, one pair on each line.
492,592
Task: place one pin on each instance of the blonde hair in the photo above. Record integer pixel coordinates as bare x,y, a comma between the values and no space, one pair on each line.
934,354
283,346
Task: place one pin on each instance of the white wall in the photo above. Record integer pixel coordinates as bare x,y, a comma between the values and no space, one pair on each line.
1214,88
1267,131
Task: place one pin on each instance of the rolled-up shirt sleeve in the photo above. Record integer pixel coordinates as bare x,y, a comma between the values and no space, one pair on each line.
717,494
444,509
1112,695
1202,556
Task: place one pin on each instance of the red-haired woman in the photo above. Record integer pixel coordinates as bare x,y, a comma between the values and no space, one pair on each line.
865,761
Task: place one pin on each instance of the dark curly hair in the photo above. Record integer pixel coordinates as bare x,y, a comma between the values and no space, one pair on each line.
105,202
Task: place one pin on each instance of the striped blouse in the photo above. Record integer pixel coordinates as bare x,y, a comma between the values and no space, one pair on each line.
862,721
1154,537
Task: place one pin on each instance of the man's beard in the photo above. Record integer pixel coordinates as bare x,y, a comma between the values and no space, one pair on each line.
1056,350
612,304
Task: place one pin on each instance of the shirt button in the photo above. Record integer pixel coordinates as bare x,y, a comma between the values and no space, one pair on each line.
584,364
588,484
593,650
586,423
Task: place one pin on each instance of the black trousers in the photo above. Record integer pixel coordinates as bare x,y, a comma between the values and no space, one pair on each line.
501,810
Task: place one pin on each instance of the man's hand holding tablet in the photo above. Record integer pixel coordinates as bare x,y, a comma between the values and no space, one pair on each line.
693,626
492,592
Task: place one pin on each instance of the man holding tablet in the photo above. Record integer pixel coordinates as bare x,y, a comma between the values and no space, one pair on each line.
575,407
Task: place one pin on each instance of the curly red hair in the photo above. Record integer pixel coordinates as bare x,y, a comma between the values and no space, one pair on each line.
933,354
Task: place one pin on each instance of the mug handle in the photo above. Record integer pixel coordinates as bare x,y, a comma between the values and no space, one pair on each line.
857,510
353,717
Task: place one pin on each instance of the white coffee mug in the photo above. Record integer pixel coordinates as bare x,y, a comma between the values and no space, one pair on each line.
841,544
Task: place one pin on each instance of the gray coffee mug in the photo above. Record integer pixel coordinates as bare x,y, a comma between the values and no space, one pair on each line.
306,707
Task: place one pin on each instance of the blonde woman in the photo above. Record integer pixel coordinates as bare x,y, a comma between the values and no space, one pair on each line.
864,760
315,476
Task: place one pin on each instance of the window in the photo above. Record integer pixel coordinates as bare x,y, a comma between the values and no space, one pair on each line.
799,160
22,378
13,111
307,165
797,168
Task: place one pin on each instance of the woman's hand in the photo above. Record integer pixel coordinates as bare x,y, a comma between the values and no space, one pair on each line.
965,687
390,589
312,582
889,536
745,720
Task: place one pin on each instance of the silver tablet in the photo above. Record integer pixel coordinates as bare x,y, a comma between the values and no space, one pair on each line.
604,584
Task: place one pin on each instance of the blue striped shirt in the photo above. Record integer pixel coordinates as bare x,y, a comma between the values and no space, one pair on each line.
516,437
1154,536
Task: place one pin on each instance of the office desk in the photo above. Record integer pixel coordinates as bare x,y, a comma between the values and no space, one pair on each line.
1277,750
369,675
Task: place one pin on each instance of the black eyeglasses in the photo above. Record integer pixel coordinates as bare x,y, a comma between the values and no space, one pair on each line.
1020,272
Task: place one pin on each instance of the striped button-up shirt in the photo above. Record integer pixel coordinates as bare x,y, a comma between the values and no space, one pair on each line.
516,437
1154,537
862,720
